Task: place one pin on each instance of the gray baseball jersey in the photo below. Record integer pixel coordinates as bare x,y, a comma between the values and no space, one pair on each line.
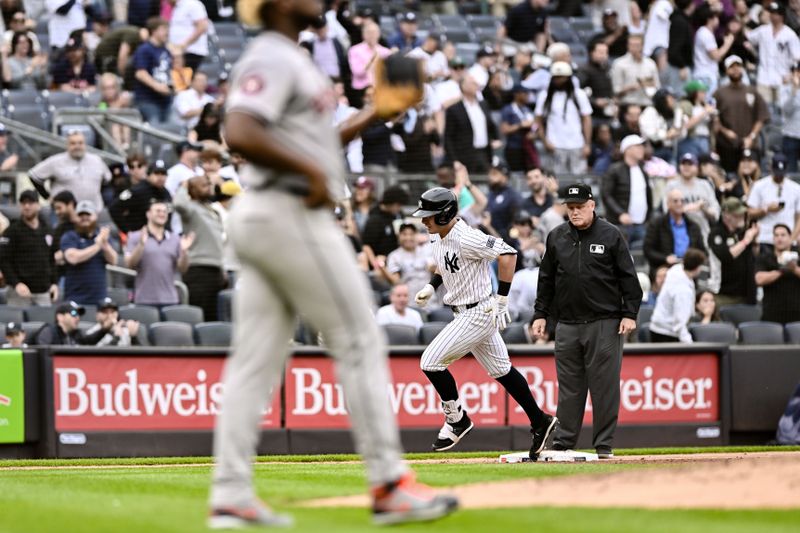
278,83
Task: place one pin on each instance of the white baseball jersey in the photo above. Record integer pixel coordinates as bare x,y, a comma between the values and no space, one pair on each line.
463,258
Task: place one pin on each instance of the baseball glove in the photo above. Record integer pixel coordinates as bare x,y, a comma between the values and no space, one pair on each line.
398,85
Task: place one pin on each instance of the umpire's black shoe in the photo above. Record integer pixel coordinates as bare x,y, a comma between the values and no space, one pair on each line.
604,453
451,434
541,434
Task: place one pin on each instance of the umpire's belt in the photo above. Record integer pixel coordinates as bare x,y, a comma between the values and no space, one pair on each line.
460,308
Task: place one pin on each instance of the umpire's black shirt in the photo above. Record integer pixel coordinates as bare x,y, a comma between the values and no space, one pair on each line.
587,275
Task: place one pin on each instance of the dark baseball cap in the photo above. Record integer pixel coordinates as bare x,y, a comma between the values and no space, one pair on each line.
70,308
577,193
457,62
3,130
409,17
395,194
734,206
12,328
29,195
159,167
779,163
689,157
183,146
776,7
107,303
486,51
500,166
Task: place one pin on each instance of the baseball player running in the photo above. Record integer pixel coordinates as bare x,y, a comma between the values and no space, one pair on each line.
463,256
296,260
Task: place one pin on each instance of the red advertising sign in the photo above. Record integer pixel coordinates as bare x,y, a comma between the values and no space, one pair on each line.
120,393
314,399
654,389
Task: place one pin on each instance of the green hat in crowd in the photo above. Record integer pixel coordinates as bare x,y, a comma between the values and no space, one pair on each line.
694,86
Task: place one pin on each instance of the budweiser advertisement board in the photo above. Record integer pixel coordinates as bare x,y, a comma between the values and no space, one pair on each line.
654,389
120,393
314,399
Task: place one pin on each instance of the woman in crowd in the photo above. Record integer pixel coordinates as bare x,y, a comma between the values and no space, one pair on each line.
22,68
602,149
208,127
657,124
748,172
363,201
695,115
706,308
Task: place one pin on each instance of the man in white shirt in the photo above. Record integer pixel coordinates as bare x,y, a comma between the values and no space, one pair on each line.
484,61
707,55
448,92
189,104
778,49
658,24
634,77
185,169
66,16
398,312
188,31
434,60
675,304
410,264
775,200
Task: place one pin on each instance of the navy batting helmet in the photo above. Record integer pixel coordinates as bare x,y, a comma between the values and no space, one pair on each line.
438,202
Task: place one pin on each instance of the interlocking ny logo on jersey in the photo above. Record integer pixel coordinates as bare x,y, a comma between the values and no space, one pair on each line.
451,262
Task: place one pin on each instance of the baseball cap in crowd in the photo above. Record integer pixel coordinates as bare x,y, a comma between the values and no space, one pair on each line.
85,206
183,146
690,158
12,328
733,206
694,86
409,17
159,167
486,51
709,157
748,154
519,88
70,308
395,194
777,7
29,195
608,12
630,140
3,130
73,44
779,164
407,225
500,166
229,189
457,62
107,303
118,169
364,182
731,60
561,68
577,193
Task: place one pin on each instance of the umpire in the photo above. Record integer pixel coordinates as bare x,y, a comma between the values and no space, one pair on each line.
588,265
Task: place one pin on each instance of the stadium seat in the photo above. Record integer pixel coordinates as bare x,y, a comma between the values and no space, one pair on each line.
36,313
120,295
398,335
467,52
645,314
451,21
714,332
11,314
214,333
22,98
485,34
459,35
188,314
225,305
60,99
515,333
443,314
736,314
761,333
792,332
483,21
141,313
643,332
429,331
171,334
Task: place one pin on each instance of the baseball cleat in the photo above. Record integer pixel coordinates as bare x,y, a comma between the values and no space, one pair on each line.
451,434
541,434
604,453
246,517
405,500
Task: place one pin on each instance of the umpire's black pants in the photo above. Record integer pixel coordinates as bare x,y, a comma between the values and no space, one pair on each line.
588,359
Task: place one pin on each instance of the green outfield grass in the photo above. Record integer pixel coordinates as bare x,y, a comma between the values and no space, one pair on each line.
173,499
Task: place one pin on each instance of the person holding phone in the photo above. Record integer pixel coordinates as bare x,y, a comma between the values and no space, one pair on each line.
775,200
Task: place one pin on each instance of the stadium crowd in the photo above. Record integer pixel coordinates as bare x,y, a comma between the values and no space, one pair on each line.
683,114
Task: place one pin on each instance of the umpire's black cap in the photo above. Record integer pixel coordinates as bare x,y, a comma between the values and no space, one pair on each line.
577,193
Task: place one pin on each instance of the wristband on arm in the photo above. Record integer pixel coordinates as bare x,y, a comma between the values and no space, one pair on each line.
503,287
436,281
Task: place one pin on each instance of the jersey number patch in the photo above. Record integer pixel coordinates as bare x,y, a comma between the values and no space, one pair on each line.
451,263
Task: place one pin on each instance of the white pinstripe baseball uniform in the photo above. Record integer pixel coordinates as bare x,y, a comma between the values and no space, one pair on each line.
463,260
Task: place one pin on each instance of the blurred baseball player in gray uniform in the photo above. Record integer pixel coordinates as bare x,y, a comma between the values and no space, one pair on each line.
463,256
295,259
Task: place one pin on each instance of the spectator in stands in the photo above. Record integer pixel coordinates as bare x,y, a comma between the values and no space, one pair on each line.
362,61
397,312
116,49
603,149
15,336
789,99
8,159
636,25
113,97
363,201
706,308
129,211
208,128
65,17
629,122
485,64
564,120
448,91
778,274
410,264
18,24
707,54
73,72
778,49
153,66
328,52
504,200
650,297
539,79
86,252
676,301
695,116
22,68
66,331
137,167
434,61
700,199
379,232
524,284
187,166
189,104
26,259
230,262
669,236
596,76
211,162
75,170
376,142
157,255
748,172
180,73
658,26
469,130
516,124
141,11
540,197
742,114
527,23
63,205
552,218
614,34
419,135
117,332
775,200
188,31
204,276
658,124
634,76
626,192
406,39
731,258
